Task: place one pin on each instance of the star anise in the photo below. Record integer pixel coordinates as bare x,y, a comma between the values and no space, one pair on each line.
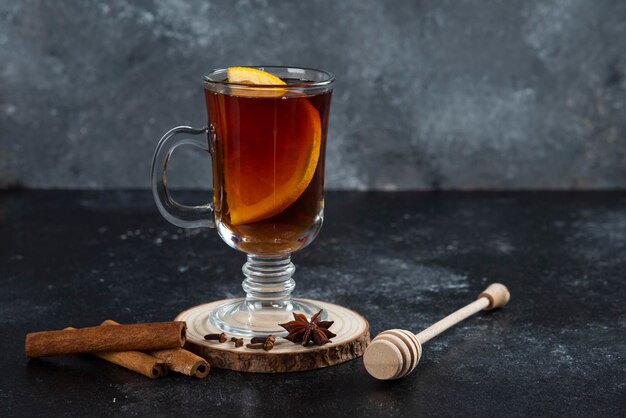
302,331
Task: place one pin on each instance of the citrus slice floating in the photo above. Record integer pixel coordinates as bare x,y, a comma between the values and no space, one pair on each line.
252,76
248,75
275,156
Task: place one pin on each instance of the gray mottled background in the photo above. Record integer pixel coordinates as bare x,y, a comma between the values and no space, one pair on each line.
429,94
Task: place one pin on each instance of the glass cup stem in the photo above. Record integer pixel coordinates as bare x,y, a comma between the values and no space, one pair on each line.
268,281
268,302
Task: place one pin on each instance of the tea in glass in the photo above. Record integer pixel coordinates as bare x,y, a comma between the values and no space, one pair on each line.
268,193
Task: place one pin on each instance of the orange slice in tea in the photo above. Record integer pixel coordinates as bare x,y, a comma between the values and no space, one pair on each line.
247,75
252,76
257,187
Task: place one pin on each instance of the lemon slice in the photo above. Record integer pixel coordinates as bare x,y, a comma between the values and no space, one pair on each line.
247,75
252,76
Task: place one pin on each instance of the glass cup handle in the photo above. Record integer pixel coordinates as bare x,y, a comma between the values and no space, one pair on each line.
180,215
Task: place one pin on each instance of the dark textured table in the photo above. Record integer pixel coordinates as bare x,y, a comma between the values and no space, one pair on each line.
401,259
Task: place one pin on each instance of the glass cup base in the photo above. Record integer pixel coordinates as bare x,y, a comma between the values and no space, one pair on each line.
245,318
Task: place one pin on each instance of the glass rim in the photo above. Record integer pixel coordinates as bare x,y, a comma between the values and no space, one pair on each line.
328,81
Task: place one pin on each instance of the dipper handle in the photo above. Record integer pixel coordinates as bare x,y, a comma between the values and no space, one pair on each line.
494,296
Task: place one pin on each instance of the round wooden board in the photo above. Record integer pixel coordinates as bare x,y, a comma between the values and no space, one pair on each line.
352,338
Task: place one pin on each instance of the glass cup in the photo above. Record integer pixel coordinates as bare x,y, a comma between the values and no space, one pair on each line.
267,144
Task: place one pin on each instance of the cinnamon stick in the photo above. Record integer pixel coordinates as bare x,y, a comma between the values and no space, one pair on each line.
183,361
149,336
178,359
136,361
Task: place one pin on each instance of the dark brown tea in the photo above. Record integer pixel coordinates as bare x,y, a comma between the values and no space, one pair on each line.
269,179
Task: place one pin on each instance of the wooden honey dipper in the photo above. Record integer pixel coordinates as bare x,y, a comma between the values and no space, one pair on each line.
395,353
